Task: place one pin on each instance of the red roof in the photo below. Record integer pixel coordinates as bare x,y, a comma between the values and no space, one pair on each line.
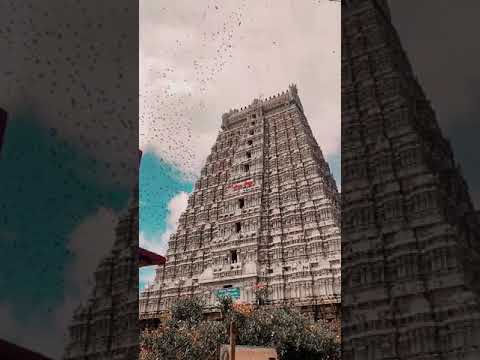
11,351
3,126
148,258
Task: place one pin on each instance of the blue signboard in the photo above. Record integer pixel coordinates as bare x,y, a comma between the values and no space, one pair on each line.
233,292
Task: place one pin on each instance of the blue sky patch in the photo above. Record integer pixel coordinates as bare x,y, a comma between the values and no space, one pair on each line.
47,188
160,182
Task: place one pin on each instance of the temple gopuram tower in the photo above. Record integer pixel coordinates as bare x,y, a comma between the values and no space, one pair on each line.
410,234
265,210
107,326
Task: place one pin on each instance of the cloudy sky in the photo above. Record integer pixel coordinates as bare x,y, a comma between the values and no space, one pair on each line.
68,162
49,256
200,59
441,40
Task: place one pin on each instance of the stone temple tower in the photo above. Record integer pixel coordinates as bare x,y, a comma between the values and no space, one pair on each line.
265,210
107,327
410,235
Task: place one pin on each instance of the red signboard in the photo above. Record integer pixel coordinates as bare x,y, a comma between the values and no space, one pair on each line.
242,185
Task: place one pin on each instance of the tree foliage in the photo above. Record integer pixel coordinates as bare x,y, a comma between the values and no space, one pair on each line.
187,335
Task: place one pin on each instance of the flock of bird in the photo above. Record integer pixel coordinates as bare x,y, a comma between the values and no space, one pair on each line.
171,101
172,91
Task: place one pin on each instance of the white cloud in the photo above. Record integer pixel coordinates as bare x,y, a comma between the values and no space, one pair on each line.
154,244
198,61
146,276
176,207
158,244
90,241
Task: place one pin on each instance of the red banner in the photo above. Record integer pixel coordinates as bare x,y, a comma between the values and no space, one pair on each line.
242,185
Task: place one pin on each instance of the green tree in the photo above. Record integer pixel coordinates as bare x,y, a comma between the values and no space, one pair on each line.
186,335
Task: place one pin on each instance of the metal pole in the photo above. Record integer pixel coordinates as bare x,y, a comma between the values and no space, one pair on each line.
232,340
